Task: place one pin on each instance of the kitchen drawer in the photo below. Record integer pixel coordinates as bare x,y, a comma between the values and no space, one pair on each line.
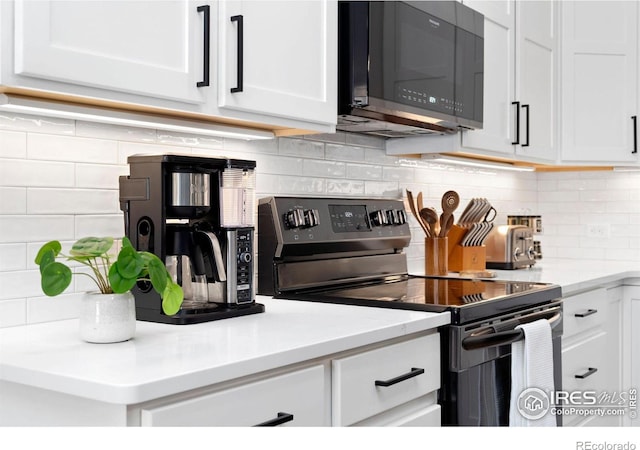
300,393
429,417
584,311
578,359
357,392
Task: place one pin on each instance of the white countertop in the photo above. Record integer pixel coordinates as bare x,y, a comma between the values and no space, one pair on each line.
167,359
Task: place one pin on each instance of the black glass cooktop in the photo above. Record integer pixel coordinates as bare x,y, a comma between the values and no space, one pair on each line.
467,299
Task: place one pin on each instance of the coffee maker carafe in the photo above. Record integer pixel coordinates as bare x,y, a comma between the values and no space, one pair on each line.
197,215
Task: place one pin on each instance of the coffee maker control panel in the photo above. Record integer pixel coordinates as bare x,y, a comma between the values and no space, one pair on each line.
244,264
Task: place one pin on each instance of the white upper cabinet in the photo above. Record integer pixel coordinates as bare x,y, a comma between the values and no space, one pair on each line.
179,57
600,81
136,47
520,99
286,64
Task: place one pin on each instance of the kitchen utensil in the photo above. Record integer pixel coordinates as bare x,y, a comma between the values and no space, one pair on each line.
430,218
450,201
444,228
416,214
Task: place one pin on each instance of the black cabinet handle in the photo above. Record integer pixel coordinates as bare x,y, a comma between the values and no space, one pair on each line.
527,123
588,373
207,51
517,141
635,134
279,420
414,373
588,312
240,21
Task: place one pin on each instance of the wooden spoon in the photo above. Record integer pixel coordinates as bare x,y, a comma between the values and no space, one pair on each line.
412,205
430,218
450,201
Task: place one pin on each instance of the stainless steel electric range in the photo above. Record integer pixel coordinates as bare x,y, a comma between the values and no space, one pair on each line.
351,251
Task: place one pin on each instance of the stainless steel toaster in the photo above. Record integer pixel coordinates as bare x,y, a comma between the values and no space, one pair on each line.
510,247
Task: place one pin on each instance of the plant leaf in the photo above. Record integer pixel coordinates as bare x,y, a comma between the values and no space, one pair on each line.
56,277
158,274
46,258
172,298
126,242
129,262
53,246
120,284
92,246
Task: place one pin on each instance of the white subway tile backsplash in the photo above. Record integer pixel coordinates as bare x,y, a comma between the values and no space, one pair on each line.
300,185
72,201
36,124
47,309
13,200
35,228
335,152
389,189
189,140
345,187
99,225
13,312
300,147
364,172
13,257
126,149
99,176
20,172
114,132
13,144
320,168
20,283
49,147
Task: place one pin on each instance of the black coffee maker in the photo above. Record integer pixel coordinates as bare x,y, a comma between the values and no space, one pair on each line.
197,215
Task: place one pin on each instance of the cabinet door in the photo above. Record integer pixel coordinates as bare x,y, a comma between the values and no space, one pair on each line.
146,48
599,81
535,79
287,63
497,132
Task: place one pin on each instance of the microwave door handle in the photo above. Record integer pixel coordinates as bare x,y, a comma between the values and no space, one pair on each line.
485,338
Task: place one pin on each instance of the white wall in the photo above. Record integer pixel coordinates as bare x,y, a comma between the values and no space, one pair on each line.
59,180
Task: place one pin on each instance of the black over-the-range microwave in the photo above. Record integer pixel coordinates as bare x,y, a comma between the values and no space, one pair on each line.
409,68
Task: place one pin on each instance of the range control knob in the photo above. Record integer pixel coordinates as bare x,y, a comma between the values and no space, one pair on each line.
245,257
401,217
379,218
294,218
311,218
300,218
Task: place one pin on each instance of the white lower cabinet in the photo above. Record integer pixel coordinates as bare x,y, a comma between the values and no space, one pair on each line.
389,385
592,355
369,383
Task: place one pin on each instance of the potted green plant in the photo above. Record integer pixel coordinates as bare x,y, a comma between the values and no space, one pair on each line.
107,315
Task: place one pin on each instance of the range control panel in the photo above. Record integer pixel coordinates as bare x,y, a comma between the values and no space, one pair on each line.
311,220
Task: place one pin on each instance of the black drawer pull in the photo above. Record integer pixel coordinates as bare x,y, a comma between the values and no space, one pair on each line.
282,418
588,312
207,53
635,134
414,373
588,373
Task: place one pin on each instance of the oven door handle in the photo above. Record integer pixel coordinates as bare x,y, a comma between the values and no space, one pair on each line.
484,338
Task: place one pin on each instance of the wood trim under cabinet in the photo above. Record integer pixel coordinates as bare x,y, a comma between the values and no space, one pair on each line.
149,110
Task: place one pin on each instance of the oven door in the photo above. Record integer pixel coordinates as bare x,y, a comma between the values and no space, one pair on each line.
476,374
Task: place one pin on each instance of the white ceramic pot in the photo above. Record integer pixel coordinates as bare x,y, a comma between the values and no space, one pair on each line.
107,318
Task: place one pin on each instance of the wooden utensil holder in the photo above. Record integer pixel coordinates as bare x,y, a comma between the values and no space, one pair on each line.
464,258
